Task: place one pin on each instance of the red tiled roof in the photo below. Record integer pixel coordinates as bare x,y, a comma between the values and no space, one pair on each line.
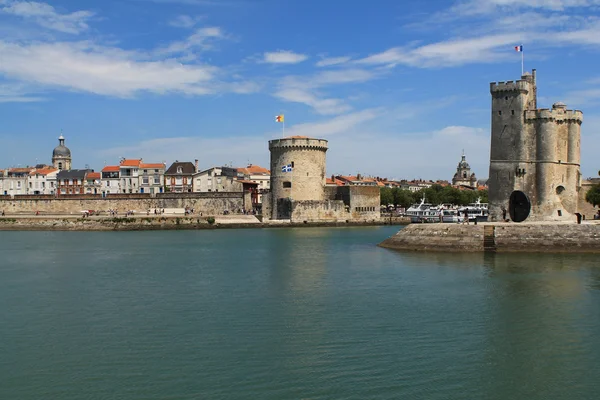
20,169
152,166
93,175
43,171
254,169
131,163
329,181
111,168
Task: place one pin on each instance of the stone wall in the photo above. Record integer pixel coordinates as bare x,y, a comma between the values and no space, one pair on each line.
206,203
312,211
583,206
502,237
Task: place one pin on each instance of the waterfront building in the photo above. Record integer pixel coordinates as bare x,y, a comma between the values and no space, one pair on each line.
110,182
15,181
179,177
71,181
357,180
61,155
535,154
93,183
42,180
258,175
463,175
151,178
129,170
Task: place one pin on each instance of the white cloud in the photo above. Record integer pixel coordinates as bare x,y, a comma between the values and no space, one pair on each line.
45,15
201,39
329,61
16,93
475,7
185,21
452,52
304,89
339,124
81,66
283,57
324,106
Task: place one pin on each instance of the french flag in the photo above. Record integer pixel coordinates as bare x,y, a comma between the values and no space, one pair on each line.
519,48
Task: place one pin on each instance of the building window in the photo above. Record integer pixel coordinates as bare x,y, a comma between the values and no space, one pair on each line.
156,180
156,171
179,170
499,112
60,166
512,112
287,184
145,171
145,180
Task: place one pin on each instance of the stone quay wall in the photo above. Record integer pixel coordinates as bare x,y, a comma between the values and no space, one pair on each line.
206,203
501,238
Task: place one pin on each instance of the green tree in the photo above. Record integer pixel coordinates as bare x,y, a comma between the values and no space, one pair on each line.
402,198
593,195
386,195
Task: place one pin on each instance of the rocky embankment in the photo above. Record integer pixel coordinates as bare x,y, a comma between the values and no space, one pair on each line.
500,237
72,223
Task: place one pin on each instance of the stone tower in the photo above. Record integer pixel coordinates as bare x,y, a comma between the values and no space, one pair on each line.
463,175
61,156
305,181
535,154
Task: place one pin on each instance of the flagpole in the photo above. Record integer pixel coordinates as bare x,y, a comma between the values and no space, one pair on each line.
522,61
283,128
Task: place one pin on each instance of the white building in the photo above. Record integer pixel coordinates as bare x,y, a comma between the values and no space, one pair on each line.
217,179
42,181
259,175
129,172
110,182
15,181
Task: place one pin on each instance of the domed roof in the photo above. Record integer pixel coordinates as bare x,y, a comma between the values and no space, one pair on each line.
463,164
61,150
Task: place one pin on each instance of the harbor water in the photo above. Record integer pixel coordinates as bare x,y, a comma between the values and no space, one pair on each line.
305,313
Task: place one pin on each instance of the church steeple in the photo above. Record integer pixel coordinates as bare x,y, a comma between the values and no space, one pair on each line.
61,156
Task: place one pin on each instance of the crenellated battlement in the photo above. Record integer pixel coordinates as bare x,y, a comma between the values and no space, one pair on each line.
510,86
556,114
299,143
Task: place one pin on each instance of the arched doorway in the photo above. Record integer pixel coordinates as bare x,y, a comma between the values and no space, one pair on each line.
519,206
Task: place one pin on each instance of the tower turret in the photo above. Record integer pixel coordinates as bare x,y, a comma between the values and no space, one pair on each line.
61,155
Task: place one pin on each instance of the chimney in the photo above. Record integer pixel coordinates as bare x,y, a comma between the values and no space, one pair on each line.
358,177
196,164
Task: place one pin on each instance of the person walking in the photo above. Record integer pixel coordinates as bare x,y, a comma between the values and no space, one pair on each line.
466,216
503,214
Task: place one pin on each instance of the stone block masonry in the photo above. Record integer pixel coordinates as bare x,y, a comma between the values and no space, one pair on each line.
507,238
206,203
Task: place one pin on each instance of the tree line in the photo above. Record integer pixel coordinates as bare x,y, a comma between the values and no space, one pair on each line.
436,194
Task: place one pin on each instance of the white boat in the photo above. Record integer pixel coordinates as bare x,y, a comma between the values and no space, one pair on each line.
477,211
450,215
423,212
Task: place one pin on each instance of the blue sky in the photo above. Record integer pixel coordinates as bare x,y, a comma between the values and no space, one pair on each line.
398,88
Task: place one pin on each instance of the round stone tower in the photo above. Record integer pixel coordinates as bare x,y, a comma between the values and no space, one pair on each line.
61,156
297,172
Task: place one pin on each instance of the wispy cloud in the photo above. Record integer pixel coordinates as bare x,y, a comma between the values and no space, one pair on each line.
306,89
201,39
185,21
45,15
16,93
283,57
452,52
329,61
337,125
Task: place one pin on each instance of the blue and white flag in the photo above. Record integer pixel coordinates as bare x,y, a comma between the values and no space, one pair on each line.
286,168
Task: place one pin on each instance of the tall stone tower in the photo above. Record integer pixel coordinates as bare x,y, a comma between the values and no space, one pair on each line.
61,156
535,154
297,172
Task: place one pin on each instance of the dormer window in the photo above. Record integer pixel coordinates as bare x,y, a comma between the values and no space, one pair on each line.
179,170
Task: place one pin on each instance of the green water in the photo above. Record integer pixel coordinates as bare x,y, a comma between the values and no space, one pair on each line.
289,314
